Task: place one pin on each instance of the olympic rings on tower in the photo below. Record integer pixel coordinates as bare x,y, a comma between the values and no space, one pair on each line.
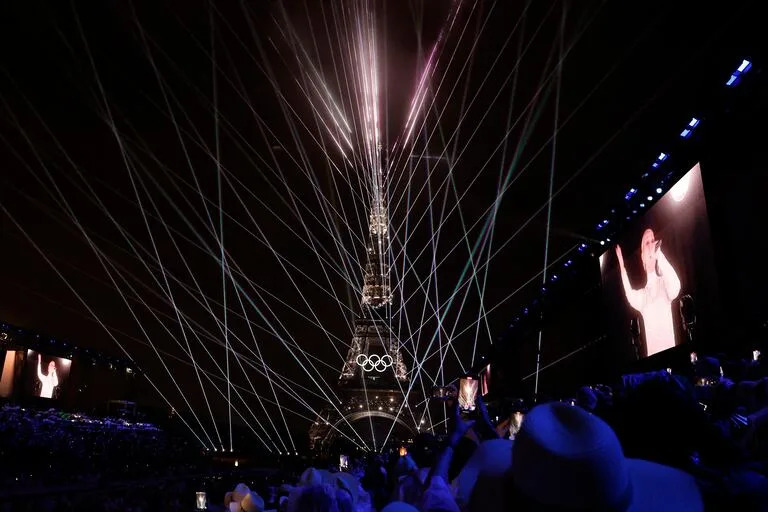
374,362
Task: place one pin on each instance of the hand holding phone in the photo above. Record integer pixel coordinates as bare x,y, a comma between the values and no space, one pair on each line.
468,387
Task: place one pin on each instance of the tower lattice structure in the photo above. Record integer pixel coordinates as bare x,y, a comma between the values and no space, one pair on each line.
374,376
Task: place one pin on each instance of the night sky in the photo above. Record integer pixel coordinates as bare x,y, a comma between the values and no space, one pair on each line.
108,130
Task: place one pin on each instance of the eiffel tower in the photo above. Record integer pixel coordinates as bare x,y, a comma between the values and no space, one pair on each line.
374,377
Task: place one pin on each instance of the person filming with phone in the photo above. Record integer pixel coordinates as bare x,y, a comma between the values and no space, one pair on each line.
654,300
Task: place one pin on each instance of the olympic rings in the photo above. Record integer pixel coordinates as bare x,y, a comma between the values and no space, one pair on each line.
374,362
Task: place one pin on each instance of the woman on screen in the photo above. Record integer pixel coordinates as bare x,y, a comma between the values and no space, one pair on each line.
654,300
49,382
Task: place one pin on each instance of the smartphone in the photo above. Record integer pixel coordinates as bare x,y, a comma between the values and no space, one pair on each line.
694,358
403,451
201,500
468,387
755,355
343,461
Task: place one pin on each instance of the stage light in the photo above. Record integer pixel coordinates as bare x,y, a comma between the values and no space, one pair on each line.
605,221
680,188
554,277
602,242
642,205
421,422
655,165
693,123
733,81
744,66
659,190
662,157
685,133
649,198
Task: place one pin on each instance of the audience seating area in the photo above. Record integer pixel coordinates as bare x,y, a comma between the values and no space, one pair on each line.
689,439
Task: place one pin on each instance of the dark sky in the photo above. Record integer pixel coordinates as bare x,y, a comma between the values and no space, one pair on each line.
108,111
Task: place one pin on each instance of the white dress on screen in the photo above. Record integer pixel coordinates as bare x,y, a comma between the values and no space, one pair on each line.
654,303
49,382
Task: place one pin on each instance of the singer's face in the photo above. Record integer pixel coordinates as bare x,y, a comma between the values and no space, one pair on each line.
648,250
51,366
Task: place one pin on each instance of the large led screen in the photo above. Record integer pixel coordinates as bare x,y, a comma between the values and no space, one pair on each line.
46,375
659,278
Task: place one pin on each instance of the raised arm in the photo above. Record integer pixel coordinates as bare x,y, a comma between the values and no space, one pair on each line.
39,369
634,297
668,276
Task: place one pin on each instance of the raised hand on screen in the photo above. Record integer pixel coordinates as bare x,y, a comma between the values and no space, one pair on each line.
619,255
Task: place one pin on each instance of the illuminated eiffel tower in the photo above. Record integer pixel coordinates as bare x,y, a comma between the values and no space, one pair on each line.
374,377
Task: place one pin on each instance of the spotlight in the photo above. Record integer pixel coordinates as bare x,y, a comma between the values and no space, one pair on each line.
655,165
602,242
744,66
659,190
649,198
605,221
693,123
662,157
685,133
733,81
642,205
680,188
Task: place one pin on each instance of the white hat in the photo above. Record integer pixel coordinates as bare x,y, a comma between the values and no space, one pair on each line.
252,503
485,477
566,457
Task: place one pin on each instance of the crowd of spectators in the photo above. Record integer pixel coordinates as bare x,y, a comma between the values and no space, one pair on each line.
690,438
54,448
